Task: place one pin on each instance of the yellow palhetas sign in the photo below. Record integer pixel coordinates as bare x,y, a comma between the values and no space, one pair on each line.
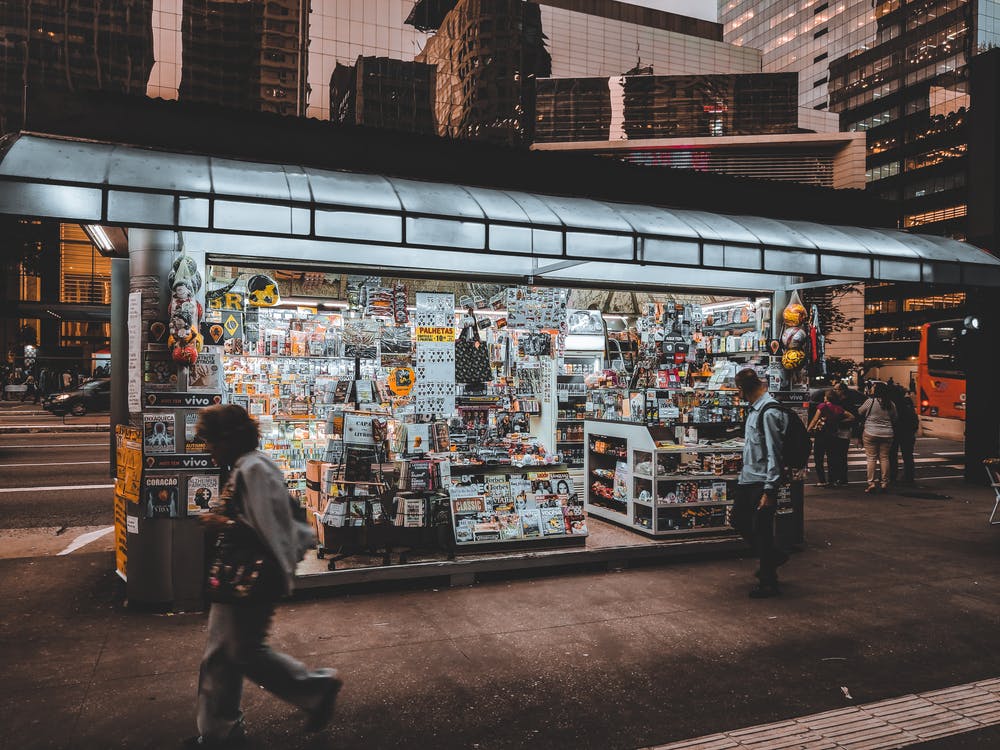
436,334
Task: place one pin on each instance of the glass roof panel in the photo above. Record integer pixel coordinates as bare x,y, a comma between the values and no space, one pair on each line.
146,168
438,198
653,220
717,228
583,213
776,233
349,189
498,205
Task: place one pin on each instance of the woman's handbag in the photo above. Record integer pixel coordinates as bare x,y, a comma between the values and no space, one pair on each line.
239,564
818,426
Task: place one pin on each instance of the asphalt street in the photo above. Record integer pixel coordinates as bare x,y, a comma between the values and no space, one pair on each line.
53,479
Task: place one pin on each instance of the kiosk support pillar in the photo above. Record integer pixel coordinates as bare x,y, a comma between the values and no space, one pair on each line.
166,556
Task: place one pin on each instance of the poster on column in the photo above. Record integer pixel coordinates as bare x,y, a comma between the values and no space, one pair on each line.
128,461
134,352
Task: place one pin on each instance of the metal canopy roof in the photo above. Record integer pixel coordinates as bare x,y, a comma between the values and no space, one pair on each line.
315,216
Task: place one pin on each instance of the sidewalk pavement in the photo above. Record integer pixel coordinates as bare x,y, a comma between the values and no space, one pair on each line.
891,595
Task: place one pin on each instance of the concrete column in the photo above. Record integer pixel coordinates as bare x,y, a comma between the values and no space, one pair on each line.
166,557
119,351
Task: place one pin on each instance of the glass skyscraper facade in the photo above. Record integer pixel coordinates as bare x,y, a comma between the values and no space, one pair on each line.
800,36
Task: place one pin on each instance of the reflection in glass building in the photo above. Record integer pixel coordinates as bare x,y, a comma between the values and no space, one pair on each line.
651,106
79,46
800,36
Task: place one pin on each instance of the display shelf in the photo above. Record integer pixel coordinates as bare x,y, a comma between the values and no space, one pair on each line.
295,356
687,477
701,498
705,504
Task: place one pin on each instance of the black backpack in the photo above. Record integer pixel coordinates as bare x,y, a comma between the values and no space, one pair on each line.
796,443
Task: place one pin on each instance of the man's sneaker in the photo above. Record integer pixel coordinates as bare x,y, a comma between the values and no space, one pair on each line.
320,716
764,591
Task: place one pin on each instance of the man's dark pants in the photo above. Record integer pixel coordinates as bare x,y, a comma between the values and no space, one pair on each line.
756,525
904,443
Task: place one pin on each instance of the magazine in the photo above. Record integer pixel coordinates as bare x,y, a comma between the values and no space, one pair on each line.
576,520
192,443
510,526
160,496
552,521
206,373
158,433
531,523
465,515
202,490
487,530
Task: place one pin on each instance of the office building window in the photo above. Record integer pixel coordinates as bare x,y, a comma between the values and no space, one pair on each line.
84,274
821,58
882,306
929,217
938,302
31,286
77,333
882,172
821,32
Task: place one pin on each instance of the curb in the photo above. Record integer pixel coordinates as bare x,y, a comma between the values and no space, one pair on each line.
32,429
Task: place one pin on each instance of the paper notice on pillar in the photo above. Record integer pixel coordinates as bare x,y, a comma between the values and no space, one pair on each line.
158,433
160,496
135,352
202,489
206,373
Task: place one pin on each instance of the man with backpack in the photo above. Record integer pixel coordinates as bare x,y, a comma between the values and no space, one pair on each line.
907,424
775,442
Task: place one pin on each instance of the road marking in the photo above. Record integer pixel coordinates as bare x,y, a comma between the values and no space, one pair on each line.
55,445
62,487
61,463
85,539
887,725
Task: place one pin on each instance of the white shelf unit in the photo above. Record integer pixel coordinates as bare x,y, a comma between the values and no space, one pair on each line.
680,498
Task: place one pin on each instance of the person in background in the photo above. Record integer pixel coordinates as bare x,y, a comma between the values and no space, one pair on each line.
256,496
907,424
879,415
30,389
756,499
825,427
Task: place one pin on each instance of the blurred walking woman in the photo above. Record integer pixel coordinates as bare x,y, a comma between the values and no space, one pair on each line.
879,415
263,544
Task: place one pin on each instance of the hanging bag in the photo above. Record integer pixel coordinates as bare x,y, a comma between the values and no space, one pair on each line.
472,357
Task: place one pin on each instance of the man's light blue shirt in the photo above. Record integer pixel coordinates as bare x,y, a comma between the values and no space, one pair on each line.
760,466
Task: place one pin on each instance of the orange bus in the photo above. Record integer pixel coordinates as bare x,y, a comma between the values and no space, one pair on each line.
940,373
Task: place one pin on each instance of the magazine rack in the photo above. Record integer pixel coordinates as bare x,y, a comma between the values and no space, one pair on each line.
993,472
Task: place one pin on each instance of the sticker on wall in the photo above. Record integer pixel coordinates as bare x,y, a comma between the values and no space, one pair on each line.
223,297
262,291
157,332
213,333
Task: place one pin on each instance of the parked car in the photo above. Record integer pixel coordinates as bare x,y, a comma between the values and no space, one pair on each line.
94,395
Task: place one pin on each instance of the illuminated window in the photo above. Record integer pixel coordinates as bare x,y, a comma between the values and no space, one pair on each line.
84,274
929,217
77,333
31,286
938,302
882,306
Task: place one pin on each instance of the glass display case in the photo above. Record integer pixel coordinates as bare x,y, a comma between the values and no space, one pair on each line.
640,478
